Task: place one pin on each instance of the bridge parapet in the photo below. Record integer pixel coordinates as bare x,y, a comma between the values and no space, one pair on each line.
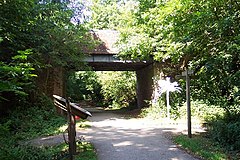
104,56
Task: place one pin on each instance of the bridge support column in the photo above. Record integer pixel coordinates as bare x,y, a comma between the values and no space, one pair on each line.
144,86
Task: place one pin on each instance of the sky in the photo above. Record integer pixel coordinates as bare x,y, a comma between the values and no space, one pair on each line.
82,12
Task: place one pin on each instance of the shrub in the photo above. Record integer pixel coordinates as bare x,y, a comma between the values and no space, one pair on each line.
226,131
118,88
84,85
155,111
26,122
201,111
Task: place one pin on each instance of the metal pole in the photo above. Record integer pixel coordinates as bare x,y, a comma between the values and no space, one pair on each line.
188,104
168,105
167,97
71,131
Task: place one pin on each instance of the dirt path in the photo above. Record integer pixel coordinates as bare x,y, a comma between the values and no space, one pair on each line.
118,138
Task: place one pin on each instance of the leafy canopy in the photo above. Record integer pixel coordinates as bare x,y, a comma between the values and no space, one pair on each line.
37,34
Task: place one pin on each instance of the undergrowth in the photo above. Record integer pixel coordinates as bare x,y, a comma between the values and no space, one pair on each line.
31,121
223,128
205,148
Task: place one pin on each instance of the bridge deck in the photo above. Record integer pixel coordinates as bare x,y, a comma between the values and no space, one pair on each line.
104,56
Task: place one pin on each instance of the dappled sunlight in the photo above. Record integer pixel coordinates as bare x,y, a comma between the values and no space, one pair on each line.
63,128
115,137
125,143
173,148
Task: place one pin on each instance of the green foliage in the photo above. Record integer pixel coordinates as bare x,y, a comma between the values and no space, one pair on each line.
48,31
201,111
16,75
5,128
196,34
155,111
86,152
84,86
30,152
44,29
226,130
104,14
118,88
202,147
112,14
33,121
29,122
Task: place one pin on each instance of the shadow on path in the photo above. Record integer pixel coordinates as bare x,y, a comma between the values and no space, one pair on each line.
117,138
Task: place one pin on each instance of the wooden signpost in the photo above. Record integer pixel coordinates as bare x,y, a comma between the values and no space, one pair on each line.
71,130
72,110
186,75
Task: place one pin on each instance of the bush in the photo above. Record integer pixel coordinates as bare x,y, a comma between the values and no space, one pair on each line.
155,111
118,88
226,131
84,85
201,111
27,122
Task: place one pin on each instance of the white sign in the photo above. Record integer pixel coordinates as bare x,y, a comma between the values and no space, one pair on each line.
189,72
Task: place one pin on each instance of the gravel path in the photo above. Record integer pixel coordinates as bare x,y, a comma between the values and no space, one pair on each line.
118,138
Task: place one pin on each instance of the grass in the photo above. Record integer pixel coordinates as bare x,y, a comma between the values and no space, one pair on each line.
86,151
202,147
30,122
222,141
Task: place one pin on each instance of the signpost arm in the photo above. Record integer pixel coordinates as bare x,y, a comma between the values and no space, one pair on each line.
188,104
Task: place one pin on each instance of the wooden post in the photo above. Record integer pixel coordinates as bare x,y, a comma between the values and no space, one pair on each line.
188,104
72,110
71,131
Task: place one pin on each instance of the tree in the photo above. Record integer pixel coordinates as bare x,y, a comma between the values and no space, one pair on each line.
112,14
45,28
16,75
191,34
84,85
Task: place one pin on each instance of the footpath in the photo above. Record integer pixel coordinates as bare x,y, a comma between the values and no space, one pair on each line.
118,138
